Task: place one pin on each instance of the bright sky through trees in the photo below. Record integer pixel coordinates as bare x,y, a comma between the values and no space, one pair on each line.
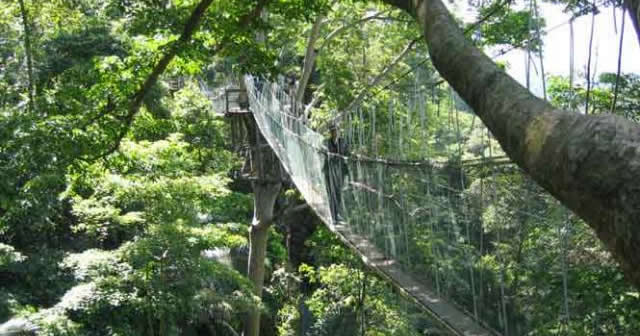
606,40
557,44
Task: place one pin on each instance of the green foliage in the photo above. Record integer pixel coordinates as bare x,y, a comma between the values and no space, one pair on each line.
159,283
601,94
158,204
32,280
345,296
104,240
336,296
506,26
9,256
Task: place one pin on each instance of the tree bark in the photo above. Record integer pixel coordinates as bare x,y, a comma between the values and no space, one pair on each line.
309,60
28,53
264,200
266,188
633,6
590,163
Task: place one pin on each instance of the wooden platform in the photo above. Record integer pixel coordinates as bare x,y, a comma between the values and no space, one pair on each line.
232,112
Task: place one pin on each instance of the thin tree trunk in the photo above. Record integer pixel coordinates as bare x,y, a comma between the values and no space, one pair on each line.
617,85
266,189
313,52
28,53
265,195
588,74
383,74
589,163
309,60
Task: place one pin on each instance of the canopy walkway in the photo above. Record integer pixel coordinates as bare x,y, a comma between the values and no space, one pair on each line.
414,221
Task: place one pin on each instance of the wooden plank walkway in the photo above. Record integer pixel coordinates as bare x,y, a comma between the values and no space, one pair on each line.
446,314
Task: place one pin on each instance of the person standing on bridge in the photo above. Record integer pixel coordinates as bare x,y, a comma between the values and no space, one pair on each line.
335,169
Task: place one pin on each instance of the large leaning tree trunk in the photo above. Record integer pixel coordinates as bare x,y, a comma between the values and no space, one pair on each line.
633,6
590,163
267,183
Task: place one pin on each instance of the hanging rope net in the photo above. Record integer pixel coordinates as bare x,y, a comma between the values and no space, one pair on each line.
460,233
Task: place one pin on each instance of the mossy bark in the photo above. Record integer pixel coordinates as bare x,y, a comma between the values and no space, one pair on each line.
590,163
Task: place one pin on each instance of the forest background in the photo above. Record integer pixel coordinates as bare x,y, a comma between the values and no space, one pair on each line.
125,205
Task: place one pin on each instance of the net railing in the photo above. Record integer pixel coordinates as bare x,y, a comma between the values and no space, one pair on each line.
479,234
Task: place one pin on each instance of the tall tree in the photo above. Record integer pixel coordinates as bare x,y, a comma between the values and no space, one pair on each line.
27,50
266,188
589,163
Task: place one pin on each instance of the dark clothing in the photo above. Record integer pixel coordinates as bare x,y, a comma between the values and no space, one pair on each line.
335,169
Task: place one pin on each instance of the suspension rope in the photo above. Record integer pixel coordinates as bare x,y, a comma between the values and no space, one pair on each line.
422,223
540,52
617,85
586,104
571,59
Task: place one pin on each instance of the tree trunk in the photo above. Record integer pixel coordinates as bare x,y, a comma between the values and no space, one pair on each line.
633,6
309,60
300,227
27,50
590,163
264,200
266,188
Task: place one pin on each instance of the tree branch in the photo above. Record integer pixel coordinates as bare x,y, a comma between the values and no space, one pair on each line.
313,103
189,28
589,163
340,29
356,101
309,60
284,212
311,54
381,75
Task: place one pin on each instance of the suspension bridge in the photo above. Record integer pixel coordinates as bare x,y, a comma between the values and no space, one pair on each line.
437,230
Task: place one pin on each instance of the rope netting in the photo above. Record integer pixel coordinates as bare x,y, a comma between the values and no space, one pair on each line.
467,224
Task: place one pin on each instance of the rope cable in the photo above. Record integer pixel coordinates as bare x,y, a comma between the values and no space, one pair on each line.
586,106
421,215
540,52
617,85
571,61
